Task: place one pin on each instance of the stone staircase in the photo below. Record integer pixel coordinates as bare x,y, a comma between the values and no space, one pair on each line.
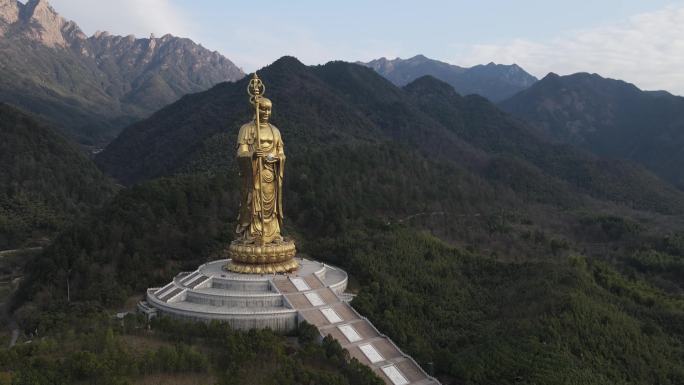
332,315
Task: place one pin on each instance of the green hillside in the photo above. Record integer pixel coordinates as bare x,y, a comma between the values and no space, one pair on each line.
45,180
608,117
131,351
346,103
519,303
479,248
482,124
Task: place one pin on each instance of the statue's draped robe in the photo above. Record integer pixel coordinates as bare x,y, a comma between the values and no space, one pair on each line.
261,203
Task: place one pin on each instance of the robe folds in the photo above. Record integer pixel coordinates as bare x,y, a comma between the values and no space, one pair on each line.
261,204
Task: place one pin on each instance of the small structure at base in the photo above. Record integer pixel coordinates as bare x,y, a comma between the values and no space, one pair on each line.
147,310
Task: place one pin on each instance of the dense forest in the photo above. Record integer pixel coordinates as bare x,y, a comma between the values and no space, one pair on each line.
98,350
45,181
572,320
573,315
479,248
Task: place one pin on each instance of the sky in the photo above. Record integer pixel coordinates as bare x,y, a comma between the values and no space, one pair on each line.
640,41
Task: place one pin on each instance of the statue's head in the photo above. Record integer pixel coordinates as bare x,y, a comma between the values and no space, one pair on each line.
265,107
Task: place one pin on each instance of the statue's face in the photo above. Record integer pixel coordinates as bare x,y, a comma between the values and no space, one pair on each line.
264,112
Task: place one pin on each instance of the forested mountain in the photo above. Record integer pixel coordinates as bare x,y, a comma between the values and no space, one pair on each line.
532,296
553,266
45,181
496,82
342,103
609,117
91,87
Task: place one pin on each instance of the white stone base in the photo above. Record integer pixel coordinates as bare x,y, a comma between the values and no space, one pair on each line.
245,301
314,293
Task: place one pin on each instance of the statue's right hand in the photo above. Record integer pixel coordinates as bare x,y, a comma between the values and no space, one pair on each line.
259,153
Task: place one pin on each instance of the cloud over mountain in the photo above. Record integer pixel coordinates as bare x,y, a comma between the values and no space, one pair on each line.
647,49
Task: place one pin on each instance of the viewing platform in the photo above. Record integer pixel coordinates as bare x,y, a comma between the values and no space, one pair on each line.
314,293
245,301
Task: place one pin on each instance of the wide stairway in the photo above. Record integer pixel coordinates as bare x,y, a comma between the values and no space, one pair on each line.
323,308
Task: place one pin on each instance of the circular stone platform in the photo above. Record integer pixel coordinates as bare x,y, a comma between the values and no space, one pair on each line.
245,301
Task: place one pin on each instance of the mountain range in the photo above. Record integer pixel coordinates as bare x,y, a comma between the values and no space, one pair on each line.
608,117
495,82
537,240
346,103
91,87
553,252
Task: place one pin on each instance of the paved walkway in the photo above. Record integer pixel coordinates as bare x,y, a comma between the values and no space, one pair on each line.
322,308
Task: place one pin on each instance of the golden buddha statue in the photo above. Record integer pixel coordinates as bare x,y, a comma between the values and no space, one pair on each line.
261,208
259,246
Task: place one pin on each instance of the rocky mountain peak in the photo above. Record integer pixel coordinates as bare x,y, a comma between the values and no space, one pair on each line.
9,11
494,81
45,25
38,21
418,58
92,86
40,12
101,34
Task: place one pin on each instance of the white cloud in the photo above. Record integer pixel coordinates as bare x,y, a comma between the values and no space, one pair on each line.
647,49
124,17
